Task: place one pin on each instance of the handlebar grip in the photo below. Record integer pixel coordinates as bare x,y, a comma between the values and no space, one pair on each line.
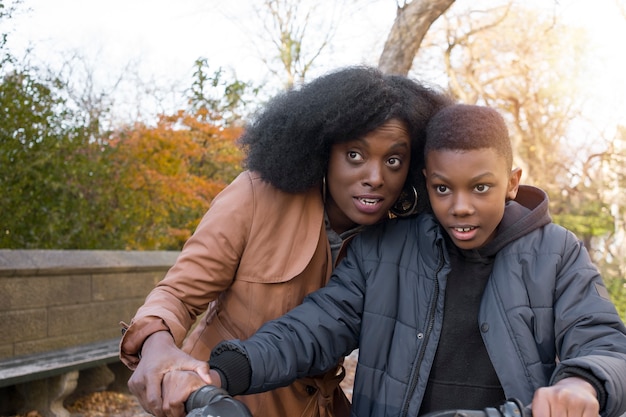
210,400
514,407
511,408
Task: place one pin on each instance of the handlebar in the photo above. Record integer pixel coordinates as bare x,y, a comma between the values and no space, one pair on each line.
211,401
511,408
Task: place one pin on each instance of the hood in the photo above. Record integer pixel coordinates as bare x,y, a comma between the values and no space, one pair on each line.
528,212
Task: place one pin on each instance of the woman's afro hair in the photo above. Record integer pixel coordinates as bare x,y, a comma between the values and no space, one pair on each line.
289,141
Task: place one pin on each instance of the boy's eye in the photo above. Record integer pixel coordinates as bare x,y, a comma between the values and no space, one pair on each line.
482,188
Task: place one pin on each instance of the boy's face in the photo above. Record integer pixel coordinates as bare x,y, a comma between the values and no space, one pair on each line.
467,191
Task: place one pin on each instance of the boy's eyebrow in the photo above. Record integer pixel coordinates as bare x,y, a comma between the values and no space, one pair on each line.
473,179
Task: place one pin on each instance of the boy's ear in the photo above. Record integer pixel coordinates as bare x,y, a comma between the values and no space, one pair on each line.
514,180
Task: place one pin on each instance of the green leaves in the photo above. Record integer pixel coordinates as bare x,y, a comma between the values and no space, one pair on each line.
64,184
47,162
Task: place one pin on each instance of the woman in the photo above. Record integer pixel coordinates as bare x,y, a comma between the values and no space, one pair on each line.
323,161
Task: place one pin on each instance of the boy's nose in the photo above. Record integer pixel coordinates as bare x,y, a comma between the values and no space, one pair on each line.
462,205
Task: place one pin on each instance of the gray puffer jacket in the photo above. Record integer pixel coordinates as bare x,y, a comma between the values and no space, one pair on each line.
545,308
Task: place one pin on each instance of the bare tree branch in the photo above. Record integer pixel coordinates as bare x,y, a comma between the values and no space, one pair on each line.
409,28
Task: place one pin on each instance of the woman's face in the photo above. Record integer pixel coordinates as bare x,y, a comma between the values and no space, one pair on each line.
366,175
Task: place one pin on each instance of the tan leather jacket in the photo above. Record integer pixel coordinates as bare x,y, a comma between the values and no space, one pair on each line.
255,255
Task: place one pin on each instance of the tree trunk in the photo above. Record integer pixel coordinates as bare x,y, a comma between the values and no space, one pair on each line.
411,24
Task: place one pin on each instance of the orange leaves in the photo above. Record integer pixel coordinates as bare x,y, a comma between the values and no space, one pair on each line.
168,174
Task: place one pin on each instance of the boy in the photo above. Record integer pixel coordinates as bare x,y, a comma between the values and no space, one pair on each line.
484,301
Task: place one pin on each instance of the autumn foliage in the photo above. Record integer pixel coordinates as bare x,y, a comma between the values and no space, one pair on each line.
167,175
68,182
69,186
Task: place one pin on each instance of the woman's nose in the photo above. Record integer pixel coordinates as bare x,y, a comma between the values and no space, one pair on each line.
374,176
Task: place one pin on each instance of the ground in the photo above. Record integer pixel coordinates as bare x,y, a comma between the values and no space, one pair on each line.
115,404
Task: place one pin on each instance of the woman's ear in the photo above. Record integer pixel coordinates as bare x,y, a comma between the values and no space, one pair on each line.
514,181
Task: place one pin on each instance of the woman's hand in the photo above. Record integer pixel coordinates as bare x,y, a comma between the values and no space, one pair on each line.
178,386
571,397
160,355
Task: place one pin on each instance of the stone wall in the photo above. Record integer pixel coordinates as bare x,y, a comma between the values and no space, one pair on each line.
52,299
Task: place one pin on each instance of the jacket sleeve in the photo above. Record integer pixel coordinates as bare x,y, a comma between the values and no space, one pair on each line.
312,337
205,267
589,332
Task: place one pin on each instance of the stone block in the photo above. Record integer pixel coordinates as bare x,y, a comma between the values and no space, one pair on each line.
81,318
63,341
124,285
22,292
129,307
6,351
21,325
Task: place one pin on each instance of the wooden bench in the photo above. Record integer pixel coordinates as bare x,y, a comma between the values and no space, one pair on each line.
45,380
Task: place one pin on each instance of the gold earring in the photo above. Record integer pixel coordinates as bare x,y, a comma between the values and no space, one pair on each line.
406,205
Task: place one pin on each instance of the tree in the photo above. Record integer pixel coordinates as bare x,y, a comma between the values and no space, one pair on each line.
412,21
165,177
288,30
51,161
527,71
5,14
69,185
213,98
612,251
49,166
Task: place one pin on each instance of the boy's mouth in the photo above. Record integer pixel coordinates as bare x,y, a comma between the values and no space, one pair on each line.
464,229
463,233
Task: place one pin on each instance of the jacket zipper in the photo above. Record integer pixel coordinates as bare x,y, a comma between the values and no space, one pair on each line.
429,328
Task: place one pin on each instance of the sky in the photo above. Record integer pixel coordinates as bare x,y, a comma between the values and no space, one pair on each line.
161,39
170,33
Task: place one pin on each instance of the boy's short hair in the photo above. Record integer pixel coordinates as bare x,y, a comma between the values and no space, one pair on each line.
469,127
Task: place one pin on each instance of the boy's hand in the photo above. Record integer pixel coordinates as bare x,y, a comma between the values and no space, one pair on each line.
571,397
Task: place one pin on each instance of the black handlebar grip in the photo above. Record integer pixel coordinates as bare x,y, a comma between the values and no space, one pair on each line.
213,401
511,408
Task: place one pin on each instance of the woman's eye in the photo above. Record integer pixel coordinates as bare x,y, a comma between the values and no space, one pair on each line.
441,189
354,156
394,162
482,188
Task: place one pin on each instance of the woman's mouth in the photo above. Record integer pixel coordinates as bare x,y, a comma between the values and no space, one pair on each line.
368,205
369,201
